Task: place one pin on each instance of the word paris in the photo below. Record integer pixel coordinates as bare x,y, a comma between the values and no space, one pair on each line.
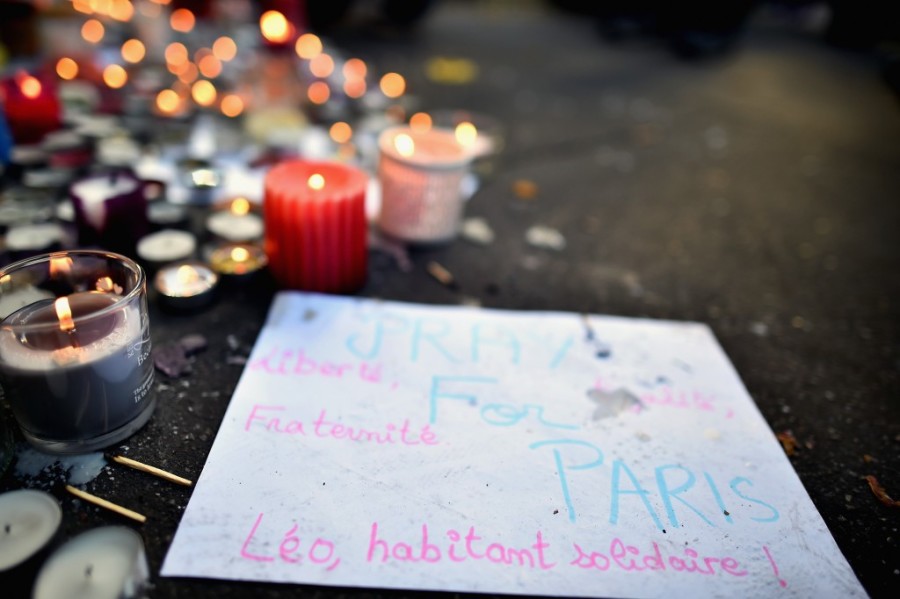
378,444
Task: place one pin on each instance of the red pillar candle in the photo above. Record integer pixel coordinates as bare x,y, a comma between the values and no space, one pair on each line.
315,225
31,106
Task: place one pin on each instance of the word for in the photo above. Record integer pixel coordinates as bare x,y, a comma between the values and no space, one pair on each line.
266,418
320,552
675,486
442,340
295,362
495,414
457,548
630,558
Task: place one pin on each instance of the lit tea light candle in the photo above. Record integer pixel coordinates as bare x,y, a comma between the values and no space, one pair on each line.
103,563
110,211
315,225
421,171
186,285
75,364
29,520
237,261
236,222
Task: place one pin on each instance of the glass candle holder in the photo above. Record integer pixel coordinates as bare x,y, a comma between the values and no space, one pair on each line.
421,173
75,349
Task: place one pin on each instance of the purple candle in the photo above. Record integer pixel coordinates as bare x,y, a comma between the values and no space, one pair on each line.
110,211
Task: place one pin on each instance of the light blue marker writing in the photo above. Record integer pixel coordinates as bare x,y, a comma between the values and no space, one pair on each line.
436,393
561,468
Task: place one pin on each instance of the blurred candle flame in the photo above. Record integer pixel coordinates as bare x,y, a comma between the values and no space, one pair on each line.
186,274
240,254
318,92
64,314
92,31
232,105
203,92
133,50
308,46
115,76
168,101
405,145
393,85
466,134
420,122
30,87
182,20
316,181
240,206
275,27
104,284
224,48
321,65
66,68
60,266
341,132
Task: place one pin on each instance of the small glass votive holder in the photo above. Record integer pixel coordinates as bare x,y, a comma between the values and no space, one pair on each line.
75,349
421,174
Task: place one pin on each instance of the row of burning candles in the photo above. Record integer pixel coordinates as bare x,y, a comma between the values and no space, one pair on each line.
75,330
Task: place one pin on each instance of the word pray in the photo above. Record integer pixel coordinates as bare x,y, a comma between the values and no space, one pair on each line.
261,417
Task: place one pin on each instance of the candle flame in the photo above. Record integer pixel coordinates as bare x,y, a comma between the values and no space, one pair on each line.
275,27
318,92
104,284
115,76
341,132
60,266
466,134
308,46
240,206
232,105
182,20
420,122
316,181
64,314
66,68
405,145
133,50
224,48
240,254
93,31
186,274
393,85
30,86
321,65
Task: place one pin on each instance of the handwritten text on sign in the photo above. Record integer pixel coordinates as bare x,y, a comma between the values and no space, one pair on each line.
390,445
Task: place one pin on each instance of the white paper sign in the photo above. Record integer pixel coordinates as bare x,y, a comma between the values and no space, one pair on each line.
389,445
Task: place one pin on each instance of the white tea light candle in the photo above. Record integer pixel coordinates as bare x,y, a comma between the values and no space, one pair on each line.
28,520
104,563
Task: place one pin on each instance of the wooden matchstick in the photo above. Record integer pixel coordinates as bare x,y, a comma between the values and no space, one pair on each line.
106,504
151,469
440,273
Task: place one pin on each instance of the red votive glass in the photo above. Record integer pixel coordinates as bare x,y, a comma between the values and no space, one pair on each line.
315,225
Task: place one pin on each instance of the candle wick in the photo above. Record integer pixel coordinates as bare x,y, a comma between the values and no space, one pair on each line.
113,177
7,528
89,570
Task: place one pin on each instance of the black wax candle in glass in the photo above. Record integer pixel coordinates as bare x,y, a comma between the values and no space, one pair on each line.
75,349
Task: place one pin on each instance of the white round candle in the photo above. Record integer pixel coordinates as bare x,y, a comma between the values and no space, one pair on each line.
28,520
104,563
34,237
235,227
167,245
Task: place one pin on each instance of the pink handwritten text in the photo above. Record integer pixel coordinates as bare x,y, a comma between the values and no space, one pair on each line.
295,362
457,548
630,558
321,552
269,419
